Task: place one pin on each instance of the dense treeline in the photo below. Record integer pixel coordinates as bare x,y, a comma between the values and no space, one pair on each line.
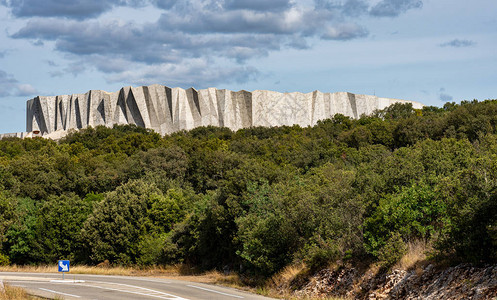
257,199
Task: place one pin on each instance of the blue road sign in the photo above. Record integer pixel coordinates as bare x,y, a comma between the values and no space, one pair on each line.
63,266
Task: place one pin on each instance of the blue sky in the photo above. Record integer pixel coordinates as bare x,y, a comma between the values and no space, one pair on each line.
431,51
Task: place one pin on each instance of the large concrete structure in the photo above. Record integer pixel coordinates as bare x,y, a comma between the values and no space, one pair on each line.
20,135
167,110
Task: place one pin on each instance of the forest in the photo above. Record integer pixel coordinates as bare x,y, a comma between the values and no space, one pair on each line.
258,199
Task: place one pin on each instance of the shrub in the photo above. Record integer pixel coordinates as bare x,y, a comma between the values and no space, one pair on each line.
4,260
320,254
393,251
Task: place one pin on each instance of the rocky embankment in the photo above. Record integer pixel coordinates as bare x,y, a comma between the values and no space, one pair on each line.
461,282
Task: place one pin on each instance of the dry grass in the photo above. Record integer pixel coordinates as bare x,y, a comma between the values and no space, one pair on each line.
125,271
14,293
284,278
226,279
281,284
416,255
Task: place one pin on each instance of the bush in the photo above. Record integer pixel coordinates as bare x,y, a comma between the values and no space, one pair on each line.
4,260
151,249
413,212
393,251
319,254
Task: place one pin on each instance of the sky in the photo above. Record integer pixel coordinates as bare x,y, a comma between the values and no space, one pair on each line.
431,51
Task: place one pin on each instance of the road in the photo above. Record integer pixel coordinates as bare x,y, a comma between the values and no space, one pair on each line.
101,287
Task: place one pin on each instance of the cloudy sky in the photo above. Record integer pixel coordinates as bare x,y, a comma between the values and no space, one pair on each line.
432,51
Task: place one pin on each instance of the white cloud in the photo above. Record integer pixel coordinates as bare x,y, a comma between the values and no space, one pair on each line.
193,72
25,90
189,36
9,86
345,32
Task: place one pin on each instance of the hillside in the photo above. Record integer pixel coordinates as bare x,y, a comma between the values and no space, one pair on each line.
259,199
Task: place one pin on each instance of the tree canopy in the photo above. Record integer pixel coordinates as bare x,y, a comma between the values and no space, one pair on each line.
257,199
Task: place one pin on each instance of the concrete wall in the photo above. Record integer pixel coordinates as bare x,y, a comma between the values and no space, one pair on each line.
167,110
21,135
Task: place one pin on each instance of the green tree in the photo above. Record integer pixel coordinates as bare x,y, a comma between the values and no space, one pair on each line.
267,237
8,216
117,223
59,226
413,212
22,241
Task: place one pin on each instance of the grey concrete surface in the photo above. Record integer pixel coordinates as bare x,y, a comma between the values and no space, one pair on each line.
77,286
167,110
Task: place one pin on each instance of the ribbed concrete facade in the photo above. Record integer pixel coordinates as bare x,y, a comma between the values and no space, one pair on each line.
167,110
20,135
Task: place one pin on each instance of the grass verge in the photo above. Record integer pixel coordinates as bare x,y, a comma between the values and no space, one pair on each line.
14,293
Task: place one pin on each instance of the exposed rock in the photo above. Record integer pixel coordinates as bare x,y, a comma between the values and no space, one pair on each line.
330,283
460,282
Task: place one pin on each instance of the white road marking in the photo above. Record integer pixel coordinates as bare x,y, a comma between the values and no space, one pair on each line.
146,291
165,296
105,285
214,291
55,292
67,281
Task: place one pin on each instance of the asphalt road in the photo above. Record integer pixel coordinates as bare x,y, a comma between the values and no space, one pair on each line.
76,286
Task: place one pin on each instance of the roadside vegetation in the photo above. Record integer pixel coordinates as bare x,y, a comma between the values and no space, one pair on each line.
380,190
8,292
